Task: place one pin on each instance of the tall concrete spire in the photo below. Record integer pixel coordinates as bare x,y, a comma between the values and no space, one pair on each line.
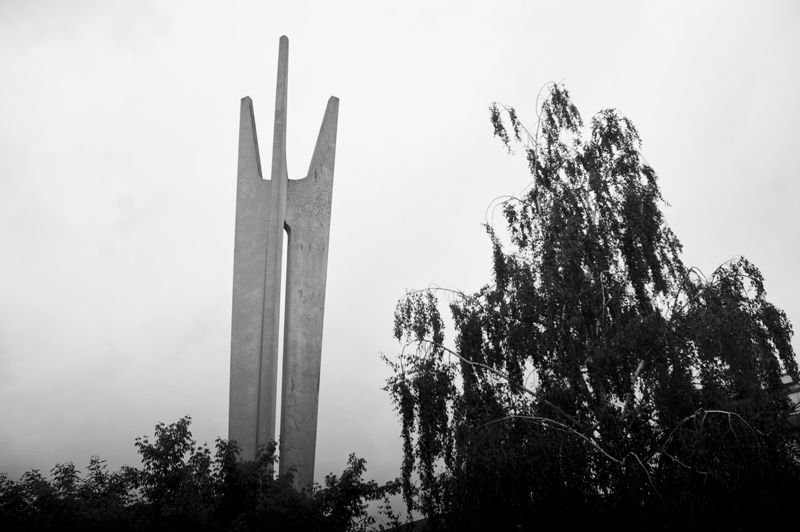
265,212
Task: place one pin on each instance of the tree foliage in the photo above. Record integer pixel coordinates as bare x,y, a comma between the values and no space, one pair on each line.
182,486
595,376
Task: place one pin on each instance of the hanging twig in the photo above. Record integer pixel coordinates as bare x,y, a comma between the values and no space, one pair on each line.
559,426
502,375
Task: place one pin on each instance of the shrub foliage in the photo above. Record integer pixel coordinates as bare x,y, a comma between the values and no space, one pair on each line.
182,486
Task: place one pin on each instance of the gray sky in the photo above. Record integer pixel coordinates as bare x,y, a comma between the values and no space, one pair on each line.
118,135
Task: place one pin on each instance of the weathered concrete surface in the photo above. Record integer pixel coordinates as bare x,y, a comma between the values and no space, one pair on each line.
308,216
264,209
249,266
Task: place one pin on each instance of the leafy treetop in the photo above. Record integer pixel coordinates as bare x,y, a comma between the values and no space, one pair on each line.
595,369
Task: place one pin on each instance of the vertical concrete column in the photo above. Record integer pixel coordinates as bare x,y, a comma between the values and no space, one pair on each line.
257,262
249,267
264,210
308,216
275,232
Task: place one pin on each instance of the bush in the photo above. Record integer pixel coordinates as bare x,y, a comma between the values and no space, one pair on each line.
182,486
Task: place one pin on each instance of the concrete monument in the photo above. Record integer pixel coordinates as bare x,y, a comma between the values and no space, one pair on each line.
265,210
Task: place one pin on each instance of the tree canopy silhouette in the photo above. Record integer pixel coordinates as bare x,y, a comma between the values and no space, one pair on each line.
181,486
595,376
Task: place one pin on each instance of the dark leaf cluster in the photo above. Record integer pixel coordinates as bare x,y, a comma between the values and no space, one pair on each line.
183,486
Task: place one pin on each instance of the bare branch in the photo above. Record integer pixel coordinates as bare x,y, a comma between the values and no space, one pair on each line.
704,413
560,426
503,376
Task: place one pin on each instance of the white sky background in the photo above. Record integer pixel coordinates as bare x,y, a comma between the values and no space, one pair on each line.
118,150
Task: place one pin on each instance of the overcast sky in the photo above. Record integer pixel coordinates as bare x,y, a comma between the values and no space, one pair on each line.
118,152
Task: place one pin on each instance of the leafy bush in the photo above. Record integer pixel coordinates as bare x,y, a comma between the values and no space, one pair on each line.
182,486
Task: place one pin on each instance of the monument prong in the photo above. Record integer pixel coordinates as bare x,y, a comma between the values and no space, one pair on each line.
248,285
249,157
325,149
265,211
279,170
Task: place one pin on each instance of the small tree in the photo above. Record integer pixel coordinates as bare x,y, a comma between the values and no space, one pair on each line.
596,374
